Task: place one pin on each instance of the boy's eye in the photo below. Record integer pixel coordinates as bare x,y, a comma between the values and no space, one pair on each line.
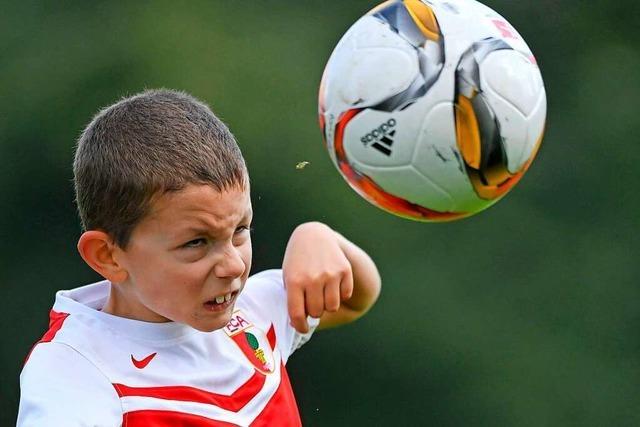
243,228
195,243
201,241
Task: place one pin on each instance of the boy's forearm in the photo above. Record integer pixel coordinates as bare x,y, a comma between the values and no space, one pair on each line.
366,279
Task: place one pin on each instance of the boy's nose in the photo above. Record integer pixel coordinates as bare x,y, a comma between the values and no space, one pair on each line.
231,264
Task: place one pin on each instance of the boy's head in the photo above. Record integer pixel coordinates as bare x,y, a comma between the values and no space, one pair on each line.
163,195
156,142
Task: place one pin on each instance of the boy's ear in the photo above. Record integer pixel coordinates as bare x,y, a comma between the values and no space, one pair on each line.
97,249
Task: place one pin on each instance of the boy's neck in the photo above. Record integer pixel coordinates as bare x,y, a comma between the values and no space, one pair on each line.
121,302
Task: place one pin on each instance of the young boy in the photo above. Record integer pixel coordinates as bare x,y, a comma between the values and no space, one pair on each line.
177,334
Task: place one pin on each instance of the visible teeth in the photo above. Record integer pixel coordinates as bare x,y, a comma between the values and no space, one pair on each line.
223,298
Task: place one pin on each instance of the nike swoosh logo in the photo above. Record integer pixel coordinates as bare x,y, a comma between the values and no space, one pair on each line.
141,364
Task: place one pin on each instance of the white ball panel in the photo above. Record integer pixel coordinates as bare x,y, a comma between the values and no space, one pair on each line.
371,32
513,77
370,64
407,183
370,76
536,124
472,21
437,157
513,129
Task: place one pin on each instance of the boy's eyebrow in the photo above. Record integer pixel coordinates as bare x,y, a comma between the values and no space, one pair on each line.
207,228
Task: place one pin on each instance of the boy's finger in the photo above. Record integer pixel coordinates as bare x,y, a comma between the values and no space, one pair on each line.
314,300
346,286
295,305
332,296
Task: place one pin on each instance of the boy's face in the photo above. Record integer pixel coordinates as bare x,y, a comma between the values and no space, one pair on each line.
188,259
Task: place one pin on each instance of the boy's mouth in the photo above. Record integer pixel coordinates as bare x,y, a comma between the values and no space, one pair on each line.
221,302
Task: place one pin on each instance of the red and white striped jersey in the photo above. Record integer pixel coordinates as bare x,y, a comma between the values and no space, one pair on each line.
95,369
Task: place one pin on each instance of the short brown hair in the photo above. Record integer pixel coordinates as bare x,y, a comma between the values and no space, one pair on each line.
146,145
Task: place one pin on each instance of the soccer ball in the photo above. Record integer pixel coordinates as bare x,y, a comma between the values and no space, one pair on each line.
432,110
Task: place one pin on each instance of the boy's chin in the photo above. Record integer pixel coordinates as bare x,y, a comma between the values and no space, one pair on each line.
210,325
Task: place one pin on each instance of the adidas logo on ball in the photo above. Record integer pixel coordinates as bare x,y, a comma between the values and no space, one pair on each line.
383,134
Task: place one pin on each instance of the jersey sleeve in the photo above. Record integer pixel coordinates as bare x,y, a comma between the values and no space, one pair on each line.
268,297
60,387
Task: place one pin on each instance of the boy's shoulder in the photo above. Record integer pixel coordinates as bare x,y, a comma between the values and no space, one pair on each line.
59,386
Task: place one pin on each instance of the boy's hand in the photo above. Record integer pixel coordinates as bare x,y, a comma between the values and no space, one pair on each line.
317,273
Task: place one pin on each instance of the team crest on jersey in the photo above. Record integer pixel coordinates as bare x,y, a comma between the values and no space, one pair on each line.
252,341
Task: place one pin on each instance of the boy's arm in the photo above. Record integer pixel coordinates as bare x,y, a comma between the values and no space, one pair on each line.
327,277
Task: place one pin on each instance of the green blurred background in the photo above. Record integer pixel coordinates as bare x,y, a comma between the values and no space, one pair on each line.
527,314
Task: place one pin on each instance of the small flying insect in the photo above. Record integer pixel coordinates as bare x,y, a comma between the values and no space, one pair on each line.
302,165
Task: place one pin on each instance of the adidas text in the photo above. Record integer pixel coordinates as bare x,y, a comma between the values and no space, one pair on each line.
378,132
